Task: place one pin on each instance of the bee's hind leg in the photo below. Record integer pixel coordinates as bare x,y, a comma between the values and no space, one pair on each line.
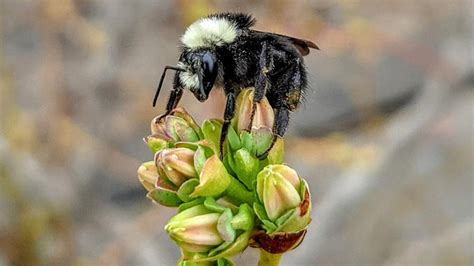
294,82
262,84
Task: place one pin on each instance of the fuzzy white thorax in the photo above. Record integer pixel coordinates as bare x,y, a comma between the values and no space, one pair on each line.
188,79
209,32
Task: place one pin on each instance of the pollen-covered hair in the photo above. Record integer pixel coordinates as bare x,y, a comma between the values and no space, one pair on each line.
216,30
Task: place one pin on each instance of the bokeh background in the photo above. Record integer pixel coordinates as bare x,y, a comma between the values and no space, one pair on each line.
384,137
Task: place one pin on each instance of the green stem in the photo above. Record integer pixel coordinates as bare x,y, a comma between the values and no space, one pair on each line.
237,191
269,259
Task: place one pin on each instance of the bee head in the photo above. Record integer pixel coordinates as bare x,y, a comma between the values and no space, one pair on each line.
201,72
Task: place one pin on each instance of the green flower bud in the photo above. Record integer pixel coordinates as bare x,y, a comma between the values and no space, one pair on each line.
216,232
285,200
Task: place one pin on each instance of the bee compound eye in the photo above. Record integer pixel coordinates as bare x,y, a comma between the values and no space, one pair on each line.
208,63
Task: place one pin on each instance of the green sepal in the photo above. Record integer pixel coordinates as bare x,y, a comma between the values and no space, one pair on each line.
229,163
213,179
247,141
156,144
187,205
244,219
180,129
246,167
225,262
269,226
194,256
181,113
276,154
237,193
236,247
297,222
212,132
233,139
199,159
284,218
164,197
224,226
303,187
219,248
187,188
260,211
188,145
263,138
212,205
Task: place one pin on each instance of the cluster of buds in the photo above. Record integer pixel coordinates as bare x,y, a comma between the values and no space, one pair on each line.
250,198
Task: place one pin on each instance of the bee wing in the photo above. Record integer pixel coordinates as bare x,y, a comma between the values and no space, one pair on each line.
301,44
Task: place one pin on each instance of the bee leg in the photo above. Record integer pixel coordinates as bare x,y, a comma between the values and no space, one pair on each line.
228,114
282,117
296,81
262,84
173,100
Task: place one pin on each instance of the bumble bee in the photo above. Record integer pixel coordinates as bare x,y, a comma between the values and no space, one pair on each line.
222,50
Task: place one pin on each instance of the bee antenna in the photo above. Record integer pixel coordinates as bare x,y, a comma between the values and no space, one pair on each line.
158,89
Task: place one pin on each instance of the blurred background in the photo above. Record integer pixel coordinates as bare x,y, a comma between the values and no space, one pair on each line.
384,136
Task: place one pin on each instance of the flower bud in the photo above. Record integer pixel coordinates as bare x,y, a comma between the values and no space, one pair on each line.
285,200
186,172
176,177
200,229
195,229
177,126
263,117
148,175
176,165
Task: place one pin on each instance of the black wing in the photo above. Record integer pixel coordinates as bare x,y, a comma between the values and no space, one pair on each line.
301,44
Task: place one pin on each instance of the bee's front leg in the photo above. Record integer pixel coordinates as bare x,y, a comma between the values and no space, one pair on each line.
173,100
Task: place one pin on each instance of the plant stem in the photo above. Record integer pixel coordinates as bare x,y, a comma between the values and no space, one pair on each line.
269,259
